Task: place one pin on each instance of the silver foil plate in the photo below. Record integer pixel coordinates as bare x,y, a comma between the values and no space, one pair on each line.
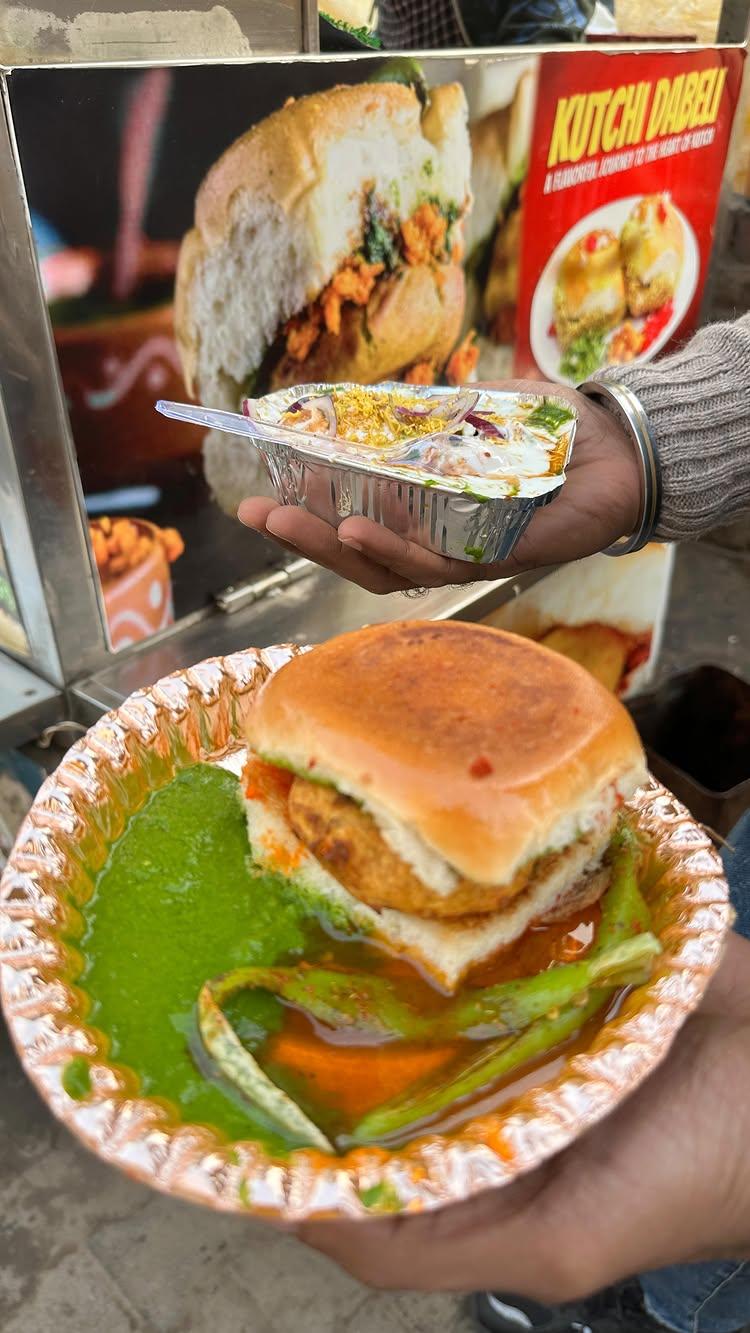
432,513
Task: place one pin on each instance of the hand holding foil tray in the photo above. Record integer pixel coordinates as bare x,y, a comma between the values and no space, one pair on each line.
459,473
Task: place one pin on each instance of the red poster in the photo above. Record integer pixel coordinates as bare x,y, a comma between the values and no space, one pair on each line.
619,205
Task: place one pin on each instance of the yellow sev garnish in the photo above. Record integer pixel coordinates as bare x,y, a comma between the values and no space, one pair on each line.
368,418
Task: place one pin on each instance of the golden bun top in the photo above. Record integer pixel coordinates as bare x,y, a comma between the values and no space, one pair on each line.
591,271
481,742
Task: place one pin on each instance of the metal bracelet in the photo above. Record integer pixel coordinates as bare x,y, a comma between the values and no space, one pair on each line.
625,407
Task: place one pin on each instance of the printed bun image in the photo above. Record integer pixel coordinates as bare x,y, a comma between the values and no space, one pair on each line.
615,289
653,252
590,292
500,146
327,246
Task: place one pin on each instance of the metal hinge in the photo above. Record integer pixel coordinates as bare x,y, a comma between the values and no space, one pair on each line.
257,589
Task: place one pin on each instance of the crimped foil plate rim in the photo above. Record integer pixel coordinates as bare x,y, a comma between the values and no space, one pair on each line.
196,713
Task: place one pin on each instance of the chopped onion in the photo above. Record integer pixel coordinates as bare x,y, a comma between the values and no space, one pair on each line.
454,410
486,427
250,408
411,413
324,403
299,403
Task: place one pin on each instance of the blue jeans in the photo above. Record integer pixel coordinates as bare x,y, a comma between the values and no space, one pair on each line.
710,1298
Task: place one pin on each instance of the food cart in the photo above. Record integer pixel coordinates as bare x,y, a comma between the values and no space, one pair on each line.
101,152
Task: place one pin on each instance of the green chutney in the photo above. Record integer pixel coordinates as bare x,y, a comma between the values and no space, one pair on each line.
176,903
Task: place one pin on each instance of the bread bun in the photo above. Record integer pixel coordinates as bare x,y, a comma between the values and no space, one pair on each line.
284,208
653,251
487,748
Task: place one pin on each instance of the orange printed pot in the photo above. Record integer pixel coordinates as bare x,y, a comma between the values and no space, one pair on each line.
113,370
138,602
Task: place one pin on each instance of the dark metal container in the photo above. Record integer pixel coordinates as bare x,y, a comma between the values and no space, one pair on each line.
696,731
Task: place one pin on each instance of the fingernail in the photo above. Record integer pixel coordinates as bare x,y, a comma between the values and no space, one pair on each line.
269,532
245,521
349,541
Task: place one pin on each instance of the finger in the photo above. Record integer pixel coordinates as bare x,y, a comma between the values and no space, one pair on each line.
301,533
305,534
382,1251
406,559
320,542
728,991
502,1238
254,512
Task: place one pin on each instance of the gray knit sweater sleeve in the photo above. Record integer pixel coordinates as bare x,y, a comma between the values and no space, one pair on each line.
698,405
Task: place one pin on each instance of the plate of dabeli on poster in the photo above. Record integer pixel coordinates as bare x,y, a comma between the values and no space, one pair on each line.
626,164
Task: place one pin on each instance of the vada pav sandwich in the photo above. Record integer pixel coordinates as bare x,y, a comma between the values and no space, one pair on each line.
441,786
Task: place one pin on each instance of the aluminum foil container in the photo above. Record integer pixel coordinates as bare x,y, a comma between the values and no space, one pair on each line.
443,514
429,512
199,715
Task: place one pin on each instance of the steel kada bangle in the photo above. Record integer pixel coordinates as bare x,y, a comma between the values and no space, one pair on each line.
625,407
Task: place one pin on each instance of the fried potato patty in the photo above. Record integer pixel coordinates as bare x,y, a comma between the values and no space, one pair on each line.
584,893
347,841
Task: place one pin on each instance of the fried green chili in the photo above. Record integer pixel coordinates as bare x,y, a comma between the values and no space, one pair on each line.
524,1018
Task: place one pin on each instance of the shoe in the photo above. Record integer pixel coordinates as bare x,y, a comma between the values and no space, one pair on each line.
617,1310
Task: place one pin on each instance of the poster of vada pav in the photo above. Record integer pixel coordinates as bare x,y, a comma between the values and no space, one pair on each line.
213,232
625,168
